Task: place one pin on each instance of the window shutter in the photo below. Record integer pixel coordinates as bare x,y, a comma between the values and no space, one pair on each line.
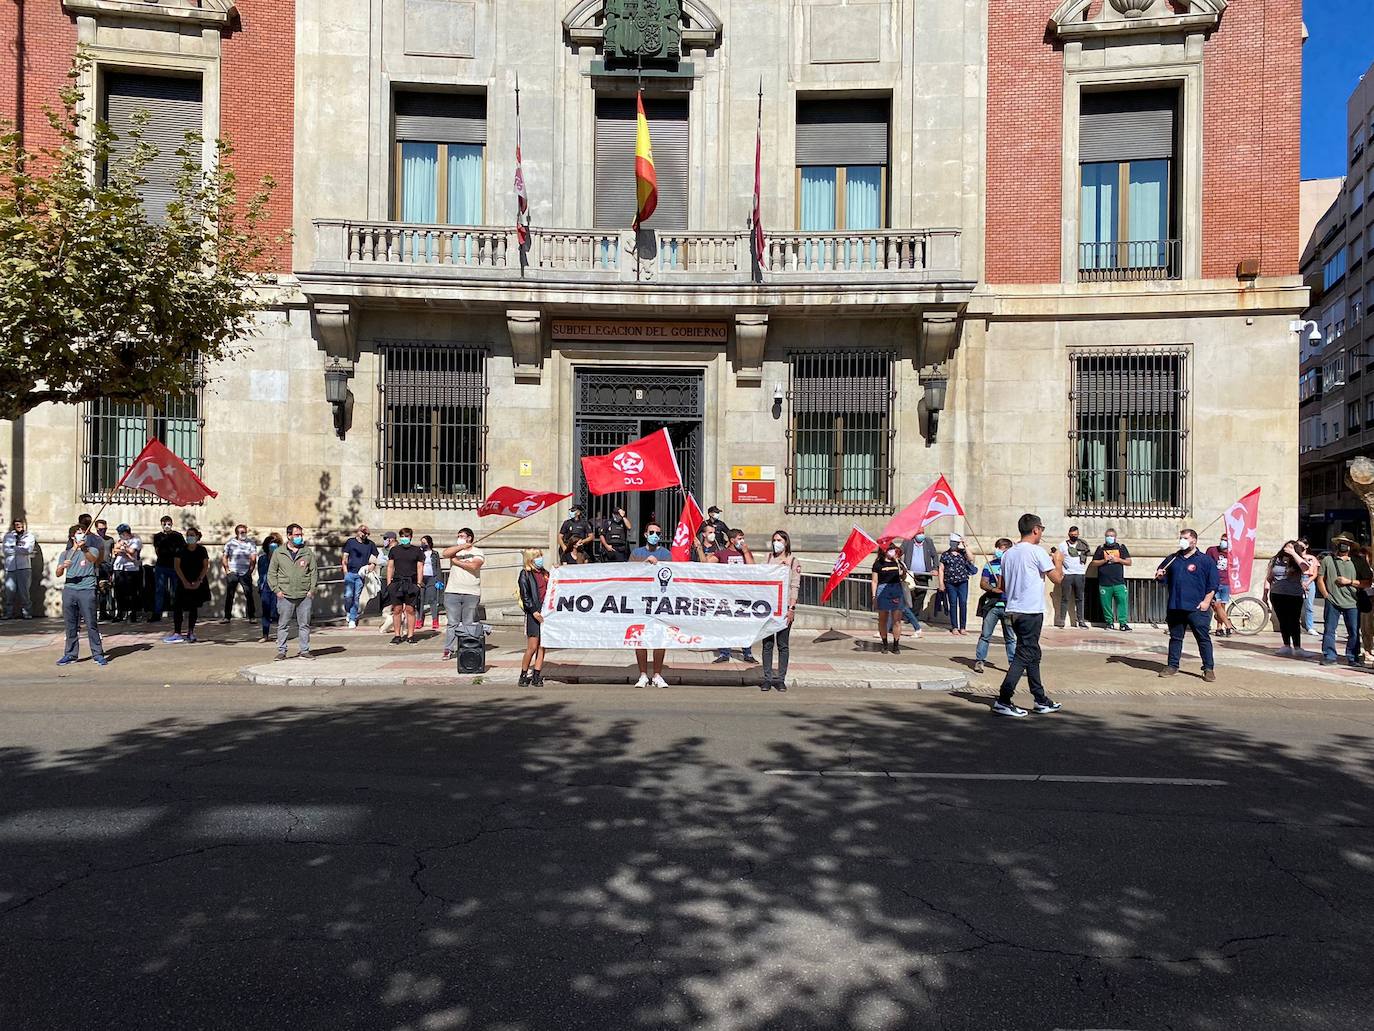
842,383
614,202
842,132
1127,126
174,109
441,118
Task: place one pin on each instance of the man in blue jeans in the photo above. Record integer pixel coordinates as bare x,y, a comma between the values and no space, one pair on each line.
1193,580
359,553
79,566
167,544
1339,583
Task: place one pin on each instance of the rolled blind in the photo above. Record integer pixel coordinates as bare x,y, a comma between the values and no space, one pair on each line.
1136,125
842,132
441,118
614,203
842,383
1147,386
174,109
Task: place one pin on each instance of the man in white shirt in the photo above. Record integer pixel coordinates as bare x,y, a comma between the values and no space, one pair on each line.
463,589
127,558
19,546
1025,567
1076,552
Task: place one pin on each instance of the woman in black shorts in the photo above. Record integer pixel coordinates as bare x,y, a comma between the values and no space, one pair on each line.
533,583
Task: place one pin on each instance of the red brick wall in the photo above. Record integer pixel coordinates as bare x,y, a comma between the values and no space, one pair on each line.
257,88
1252,103
1251,135
1025,98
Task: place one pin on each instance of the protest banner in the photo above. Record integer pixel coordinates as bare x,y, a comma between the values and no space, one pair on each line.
668,605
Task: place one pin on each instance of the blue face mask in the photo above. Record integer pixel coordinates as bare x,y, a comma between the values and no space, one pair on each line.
652,538
298,540
539,562
1111,539
271,545
405,540
997,552
920,538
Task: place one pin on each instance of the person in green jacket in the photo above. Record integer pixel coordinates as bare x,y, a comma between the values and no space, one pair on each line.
292,575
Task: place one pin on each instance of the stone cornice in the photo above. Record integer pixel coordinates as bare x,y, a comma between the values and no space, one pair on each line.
1123,301
703,30
216,14
1133,17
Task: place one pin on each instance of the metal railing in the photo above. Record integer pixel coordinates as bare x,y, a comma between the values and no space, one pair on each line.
1121,261
598,254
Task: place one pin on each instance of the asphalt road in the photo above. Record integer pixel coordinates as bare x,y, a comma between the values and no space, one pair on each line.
215,856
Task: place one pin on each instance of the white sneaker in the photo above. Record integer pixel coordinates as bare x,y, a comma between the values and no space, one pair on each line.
658,681
1285,650
353,624
643,680
1007,709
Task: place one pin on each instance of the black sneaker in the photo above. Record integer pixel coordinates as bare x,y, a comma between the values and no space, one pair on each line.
767,684
751,660
882,647
397,639
720,658
1124,628
1047,706
524,679
536,679
896,647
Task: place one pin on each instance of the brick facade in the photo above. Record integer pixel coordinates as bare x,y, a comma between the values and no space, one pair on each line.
40,42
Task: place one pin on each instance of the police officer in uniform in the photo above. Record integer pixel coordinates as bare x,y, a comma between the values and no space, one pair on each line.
714,522
615,537
574,536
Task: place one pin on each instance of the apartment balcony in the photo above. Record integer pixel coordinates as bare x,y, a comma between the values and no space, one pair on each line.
1130,261
888,270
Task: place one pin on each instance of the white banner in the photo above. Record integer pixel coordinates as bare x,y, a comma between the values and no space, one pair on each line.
669,605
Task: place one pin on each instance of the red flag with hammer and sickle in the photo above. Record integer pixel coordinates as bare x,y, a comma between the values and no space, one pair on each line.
158,471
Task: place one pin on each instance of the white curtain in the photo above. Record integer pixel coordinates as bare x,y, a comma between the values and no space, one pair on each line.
814,456
1147,212
1092,469
818,196
464,195
1097,214
420,194
863,211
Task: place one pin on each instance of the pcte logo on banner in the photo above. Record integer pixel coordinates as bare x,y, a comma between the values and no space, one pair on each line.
631,465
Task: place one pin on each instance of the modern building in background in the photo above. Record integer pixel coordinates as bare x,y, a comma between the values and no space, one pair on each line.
1045,251
1336,365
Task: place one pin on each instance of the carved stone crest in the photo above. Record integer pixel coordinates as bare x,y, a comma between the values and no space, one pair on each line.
643,31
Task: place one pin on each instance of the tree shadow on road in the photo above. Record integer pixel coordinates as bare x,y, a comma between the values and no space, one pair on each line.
518,863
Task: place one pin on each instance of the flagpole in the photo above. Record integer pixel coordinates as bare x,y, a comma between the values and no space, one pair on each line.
519,168
506,526
639,99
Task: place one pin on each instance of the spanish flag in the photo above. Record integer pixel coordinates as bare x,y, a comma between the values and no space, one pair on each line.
646,179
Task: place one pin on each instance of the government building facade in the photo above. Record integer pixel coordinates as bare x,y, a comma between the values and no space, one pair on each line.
1048,252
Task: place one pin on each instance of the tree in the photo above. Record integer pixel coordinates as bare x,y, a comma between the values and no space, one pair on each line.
96,299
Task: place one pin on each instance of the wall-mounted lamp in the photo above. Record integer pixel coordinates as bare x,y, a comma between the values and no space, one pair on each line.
340,398
778,395
934,404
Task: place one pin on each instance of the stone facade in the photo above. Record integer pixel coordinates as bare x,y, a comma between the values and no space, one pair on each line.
997,319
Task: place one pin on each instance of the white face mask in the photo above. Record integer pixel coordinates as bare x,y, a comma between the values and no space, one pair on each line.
777,547
1184,544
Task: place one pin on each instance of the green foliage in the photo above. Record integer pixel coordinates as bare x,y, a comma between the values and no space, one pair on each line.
98,301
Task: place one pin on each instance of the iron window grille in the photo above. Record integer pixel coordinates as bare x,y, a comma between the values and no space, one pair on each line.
1129,453
432,401
840,434
116,431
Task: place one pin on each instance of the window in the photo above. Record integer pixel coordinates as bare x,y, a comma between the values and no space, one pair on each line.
1356,144
1333,270
116,431
842,158
1357,195
173,110
614,201
1356,309
1352,417
841,432
1369,411
433,404
1125,210
1129,439
441,142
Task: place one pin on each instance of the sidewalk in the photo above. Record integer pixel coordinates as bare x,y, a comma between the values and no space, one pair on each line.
1077,662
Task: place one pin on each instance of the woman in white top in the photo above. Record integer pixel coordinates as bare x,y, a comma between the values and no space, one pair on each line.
780,554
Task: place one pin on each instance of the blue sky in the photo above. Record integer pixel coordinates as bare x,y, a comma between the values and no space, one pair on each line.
1339,50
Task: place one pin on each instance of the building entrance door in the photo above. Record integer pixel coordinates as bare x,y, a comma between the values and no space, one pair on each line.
615,406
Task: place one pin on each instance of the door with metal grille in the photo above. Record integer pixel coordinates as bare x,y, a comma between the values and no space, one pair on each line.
616,406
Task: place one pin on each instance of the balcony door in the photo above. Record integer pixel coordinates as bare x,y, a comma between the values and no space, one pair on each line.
441,142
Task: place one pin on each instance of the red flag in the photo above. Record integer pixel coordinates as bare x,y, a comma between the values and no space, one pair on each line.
758,241
935,501
1242,523
158,471
857,548
647,464
520,504
687,525
522,199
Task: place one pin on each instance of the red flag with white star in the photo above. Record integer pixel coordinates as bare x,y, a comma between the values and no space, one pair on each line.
159,471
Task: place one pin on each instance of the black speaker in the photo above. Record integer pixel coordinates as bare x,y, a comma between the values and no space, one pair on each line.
472,658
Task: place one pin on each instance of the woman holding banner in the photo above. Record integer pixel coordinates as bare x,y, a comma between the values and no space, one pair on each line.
781,555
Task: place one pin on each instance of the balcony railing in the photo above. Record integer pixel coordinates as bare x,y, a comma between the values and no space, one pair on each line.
1125,261
396,248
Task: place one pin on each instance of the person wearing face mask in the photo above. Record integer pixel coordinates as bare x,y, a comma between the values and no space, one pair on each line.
955,569
404,574
889,595
167,544
127,558
193,587
732,551
1110,561
533,585
104,588
266,597
19,547
236,562
1310,566
615,537
359,558
575,535
1071,591
1220,553
992,608
780,554
1192,580
923,560
715,524
1025,568
654,553
1338,582
463,588
294,574
432,586
1283,590
79,567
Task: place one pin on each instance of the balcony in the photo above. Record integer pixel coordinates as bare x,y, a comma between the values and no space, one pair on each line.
888,268
1129,261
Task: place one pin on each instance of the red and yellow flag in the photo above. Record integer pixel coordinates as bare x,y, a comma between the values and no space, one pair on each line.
646,178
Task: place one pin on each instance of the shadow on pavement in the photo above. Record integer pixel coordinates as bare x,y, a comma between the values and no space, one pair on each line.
514,863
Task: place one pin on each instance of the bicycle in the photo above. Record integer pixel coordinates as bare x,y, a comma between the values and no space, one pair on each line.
1249,614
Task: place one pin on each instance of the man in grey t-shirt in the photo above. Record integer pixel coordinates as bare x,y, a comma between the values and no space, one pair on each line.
1025,568
79,564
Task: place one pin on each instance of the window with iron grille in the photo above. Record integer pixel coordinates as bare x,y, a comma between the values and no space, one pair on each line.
841,432
433,425
1129,453
116,431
